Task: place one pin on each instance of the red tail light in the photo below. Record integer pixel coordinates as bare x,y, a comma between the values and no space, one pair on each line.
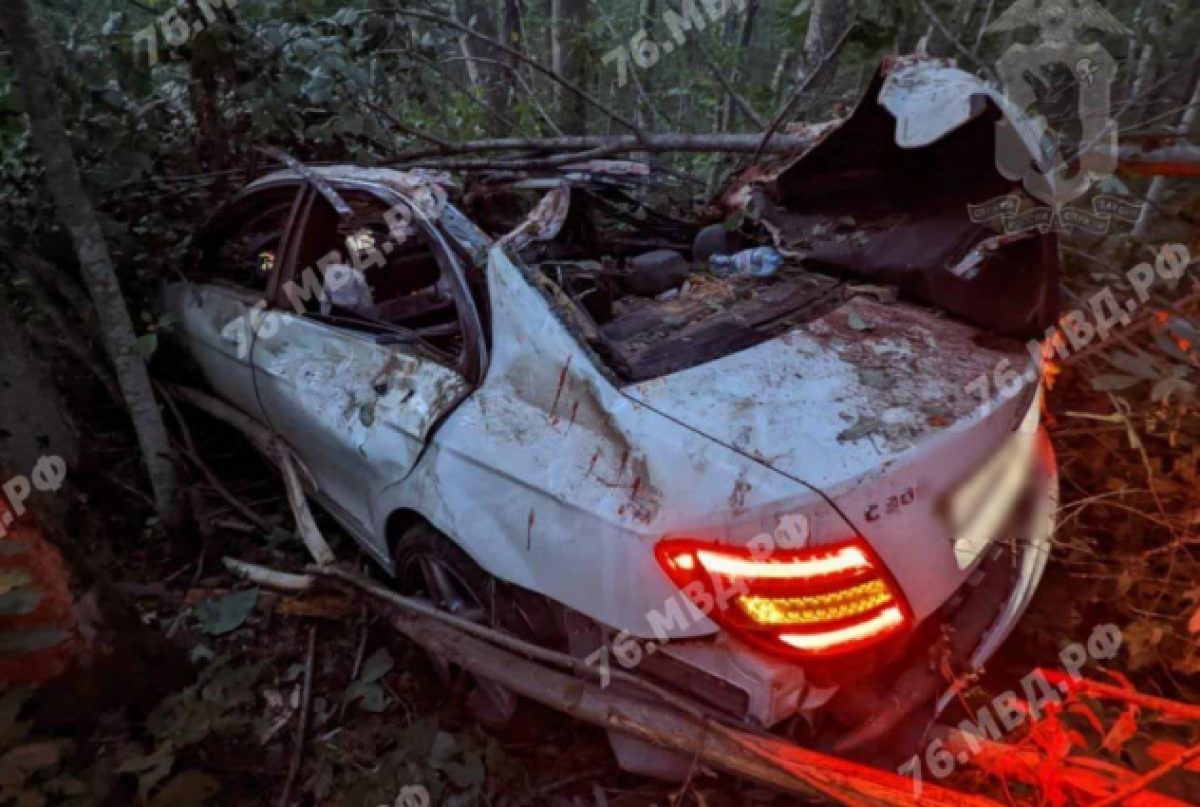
817,602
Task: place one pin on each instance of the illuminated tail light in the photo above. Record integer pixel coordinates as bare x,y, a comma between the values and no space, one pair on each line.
823,601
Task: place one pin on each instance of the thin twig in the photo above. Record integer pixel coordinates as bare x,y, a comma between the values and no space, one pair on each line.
550,74
1101,691
799,91
305,710
1122,795
260,575
937,23
213,480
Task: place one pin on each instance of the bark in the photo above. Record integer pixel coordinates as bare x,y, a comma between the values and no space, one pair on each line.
657,143
827,21
571,61
481,58
80,221
1144,72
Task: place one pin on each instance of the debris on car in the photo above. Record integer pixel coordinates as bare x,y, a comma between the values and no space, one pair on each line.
551,407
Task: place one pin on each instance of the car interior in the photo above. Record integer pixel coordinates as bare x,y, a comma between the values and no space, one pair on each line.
402,294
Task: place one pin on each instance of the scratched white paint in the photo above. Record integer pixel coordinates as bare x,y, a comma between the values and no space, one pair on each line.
553,478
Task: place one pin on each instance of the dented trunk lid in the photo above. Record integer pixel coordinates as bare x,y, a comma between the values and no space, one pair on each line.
843,394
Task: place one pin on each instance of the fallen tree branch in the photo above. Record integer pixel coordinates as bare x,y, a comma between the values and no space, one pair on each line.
1131,791
653,143
503,639
1029,767
278,452
767,760
269,578
305,524
1110,692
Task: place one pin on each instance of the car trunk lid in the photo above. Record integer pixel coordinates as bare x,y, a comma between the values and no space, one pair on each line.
843,394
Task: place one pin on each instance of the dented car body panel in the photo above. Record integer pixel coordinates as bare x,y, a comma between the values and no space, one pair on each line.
364,410
557,474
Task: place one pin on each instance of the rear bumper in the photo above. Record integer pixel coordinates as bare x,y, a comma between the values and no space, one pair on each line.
766,690
761,689
1032,547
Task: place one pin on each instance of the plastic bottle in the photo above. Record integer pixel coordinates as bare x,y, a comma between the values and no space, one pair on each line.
757,262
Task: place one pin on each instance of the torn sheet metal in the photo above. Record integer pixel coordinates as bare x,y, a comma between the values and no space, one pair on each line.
866,202
545,222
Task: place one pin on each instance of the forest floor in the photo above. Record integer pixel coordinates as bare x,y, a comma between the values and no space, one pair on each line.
384,725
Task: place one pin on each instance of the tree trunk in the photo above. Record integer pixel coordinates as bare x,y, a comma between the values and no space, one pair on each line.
743,44
826,23
514,37
79,219
646,114
1143,75
484,63
570,57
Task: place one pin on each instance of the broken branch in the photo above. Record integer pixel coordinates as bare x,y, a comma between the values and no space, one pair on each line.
769,761
1029,767
673,724
654,143
278,452
269,578
306,526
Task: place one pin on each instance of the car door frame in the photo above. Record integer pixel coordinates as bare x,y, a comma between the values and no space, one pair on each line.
472,364
187,276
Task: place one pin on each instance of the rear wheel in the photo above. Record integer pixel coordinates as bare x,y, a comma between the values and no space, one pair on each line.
427,564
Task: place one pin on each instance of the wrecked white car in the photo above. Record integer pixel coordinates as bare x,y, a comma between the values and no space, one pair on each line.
773,494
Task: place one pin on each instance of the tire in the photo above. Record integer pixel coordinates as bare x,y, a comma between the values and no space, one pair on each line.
427,564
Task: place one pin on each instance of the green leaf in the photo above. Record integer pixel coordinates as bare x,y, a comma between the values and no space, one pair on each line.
1140,364
468,774
370,697
444,747
218,617
378,665
146,345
